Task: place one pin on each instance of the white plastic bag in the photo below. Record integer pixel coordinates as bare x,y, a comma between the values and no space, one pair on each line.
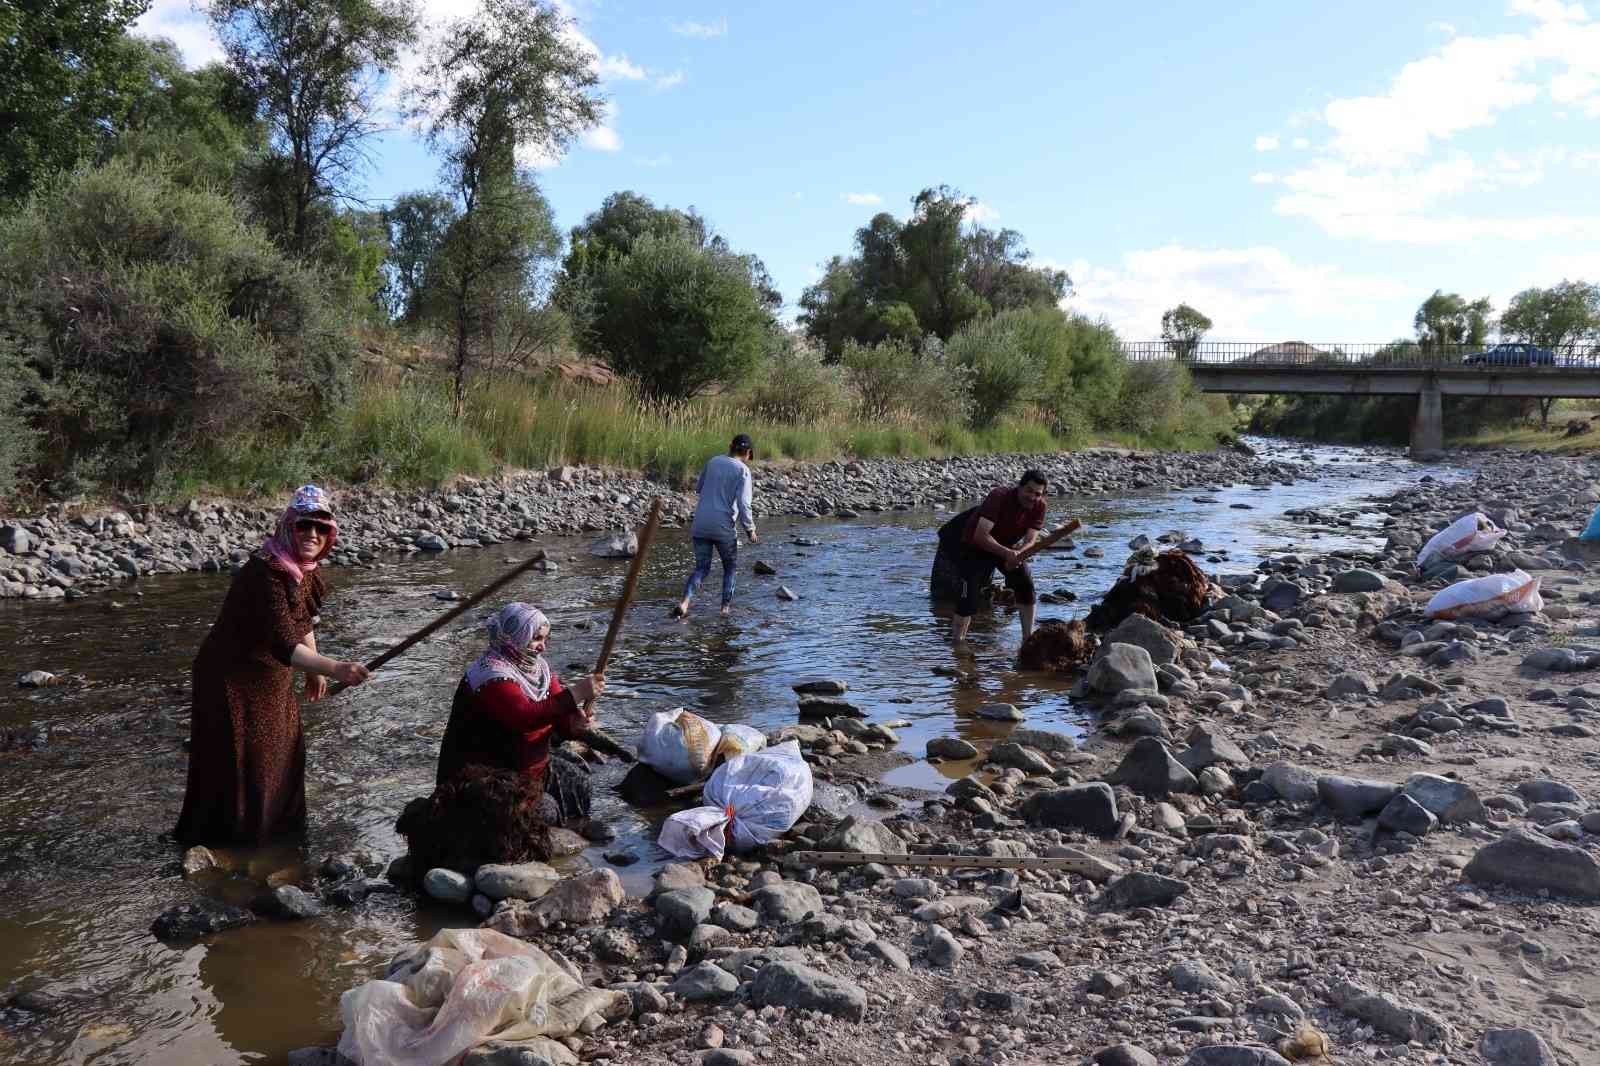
1492,596
750,800
739,740
1466,536
451,994
679,745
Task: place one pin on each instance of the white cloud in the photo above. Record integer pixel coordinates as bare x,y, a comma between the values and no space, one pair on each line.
653,161
1253,293
1266,143
179,22
619,68
603,136
664,82
1445,28
1390,171
1302,143
1263,177
1549,10
703,30
862,199
981,212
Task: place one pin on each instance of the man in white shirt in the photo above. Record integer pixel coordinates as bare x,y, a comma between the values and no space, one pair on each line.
725,489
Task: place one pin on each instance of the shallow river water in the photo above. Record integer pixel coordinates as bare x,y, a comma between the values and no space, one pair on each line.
86,859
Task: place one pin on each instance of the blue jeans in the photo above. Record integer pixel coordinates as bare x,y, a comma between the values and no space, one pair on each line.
728,551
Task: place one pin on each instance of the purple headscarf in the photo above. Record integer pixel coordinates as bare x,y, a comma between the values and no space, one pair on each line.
279,550
511,629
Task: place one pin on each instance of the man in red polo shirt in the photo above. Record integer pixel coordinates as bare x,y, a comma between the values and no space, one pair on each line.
991,535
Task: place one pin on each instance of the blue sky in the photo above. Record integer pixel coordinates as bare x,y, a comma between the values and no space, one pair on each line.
1295,173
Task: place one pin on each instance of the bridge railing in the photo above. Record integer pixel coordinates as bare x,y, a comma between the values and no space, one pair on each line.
1392,356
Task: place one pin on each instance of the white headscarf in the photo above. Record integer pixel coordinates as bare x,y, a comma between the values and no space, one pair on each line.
511,629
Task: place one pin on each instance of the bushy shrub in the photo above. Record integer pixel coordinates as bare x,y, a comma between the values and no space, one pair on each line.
157,321
793,386
1153,396
678,318
18,438
1004,373
893,380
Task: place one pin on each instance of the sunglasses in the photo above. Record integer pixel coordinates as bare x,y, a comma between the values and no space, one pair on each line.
307,524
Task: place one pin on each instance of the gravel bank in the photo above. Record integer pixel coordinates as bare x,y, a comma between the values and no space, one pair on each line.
69,552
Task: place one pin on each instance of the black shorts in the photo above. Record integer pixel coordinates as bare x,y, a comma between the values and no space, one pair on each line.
977,569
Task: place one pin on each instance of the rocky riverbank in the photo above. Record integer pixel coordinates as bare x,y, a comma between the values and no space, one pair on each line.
74,551
1315,827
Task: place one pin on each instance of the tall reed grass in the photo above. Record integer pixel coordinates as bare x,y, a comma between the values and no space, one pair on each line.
402,433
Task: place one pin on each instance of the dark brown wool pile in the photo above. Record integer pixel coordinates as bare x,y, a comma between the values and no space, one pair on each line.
481,815
1172,594
1057,645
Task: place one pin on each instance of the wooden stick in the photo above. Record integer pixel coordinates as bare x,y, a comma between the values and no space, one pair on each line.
444,619
1048,539
646,536
1093,868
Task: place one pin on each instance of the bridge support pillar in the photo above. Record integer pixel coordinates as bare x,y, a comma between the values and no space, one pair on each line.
1427,427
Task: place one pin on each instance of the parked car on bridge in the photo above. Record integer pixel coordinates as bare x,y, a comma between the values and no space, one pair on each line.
1512,354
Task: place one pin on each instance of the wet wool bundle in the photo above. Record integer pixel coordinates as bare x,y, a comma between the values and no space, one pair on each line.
1057,645
481,815
1168,588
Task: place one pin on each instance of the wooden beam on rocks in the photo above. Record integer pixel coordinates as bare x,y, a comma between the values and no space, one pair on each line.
1086,866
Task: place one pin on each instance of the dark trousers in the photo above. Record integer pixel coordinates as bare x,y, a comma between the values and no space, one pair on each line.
977,568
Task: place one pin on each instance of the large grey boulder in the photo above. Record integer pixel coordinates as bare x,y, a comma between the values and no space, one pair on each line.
1091,807
704,983
1353,798
1358,580
1447,799
1515,1047
523,880
1150,770
1234,1055
1045,741
1390,1015
1141,889
1209,746
1533,862
615,546
864,836
786,902
799,987
684,908
1293,783
1351,684
1159,642
1122,667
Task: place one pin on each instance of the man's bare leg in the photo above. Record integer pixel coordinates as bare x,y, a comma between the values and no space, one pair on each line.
959,625
1025,614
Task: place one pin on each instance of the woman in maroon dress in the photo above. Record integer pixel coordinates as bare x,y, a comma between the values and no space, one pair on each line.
247,753
498,785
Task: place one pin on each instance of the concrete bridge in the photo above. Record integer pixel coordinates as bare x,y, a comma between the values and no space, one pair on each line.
1388,370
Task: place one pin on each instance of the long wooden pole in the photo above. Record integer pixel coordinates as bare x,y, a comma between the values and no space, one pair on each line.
445,619
1048,539
647,535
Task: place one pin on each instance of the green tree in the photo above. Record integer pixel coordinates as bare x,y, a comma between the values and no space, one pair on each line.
1182,327
417,224
202,123
513,78
1447,322
1557,318
612,232
678,318
63,84
315,67
996,268
928,276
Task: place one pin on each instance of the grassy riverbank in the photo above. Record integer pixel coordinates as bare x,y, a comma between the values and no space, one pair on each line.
403,433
